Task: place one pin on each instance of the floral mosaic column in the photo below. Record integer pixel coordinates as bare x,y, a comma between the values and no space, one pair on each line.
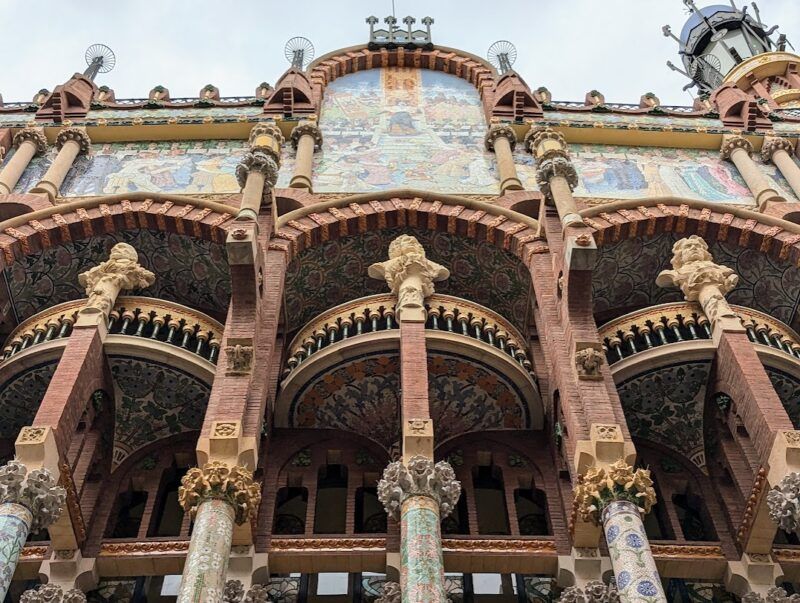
28,501
420,494
216,496
618,496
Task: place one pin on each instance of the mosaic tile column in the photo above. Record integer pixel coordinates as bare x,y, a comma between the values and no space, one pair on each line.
216,496
420,495
28,501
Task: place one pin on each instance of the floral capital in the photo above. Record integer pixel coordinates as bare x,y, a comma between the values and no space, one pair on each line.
773,144
233,592
500,131
619,481
594,592
552,167
307,129
35,137
258,161
217,480
783,502
258,593
38,491
419,478
546,143
51,593
774,595
731,143
121,271
76,135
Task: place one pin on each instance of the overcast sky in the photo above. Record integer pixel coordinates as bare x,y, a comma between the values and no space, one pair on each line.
570,46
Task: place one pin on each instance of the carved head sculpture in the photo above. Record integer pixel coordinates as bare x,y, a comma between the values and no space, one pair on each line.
123,251
690,249
405,245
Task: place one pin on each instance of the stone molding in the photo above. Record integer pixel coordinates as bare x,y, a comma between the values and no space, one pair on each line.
104,282
37,490
783,502
391,593
33,136
52,593
731,143
421,477
772,144
258,161
77,135
594,592
617,482
500,131
306,129
217,480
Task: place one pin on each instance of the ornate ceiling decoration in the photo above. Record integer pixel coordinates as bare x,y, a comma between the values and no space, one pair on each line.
20,397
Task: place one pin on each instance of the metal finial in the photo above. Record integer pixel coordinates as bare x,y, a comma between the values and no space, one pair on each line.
299,51
100,59
502,54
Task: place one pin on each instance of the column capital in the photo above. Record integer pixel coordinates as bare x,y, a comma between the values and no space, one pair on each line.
772,144
217,480
594,591
500,131
783,502
258,161
258,593
732,142
37,490
34,136
267,138
601,486
52,593
391,593
555,166
774,595
545,143
233,591
306,128
77,135
421,477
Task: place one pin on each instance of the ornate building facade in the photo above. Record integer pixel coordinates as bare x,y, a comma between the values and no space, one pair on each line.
402,328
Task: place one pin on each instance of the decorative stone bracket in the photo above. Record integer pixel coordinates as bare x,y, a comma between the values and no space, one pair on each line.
419,478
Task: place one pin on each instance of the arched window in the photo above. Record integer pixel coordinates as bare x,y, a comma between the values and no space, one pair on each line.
695,521
330,513
490,500
291,505
130,510
168,515
531,505
370,515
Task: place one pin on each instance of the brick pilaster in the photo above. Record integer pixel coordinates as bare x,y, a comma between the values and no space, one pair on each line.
413,371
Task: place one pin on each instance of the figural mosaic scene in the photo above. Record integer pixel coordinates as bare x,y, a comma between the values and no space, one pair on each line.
402,328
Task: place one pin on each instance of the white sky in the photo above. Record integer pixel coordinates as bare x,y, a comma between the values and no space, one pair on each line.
570,46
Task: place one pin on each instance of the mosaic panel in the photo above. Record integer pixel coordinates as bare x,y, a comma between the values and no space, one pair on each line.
625,275
788,389
35,170
362,395
112,114
403,127
20,397
336,272
153,401
592,117
190,271
666,406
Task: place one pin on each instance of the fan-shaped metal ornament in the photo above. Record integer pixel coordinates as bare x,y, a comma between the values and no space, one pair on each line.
299,51
502,55
100,59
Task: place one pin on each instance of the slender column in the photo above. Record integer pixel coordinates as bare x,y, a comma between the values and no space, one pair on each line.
306,138
258,171
738,150
780,151
70,142
502,139
29,501
420,495
617,496
29,143
555,174
217,496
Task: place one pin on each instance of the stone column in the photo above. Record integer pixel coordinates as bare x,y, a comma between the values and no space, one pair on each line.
29,501
258,171
780,151
617,496
306,137
29,143
217,496
701,280
555,174
502,139
738,150
70,142
420,495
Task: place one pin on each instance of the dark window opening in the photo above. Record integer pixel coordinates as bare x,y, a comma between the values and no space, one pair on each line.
291,505
331,509
130,507
531,508
168,515
370,515
490,500
693,517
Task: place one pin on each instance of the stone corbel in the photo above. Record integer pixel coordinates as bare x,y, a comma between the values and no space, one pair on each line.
755,573
227,444
582,566
580,253
589,358
417,438
241,244
70,570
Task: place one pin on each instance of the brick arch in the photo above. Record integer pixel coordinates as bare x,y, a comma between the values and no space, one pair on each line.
447,60
49,227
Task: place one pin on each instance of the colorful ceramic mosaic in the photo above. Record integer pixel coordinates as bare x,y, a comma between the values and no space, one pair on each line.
189,271
213,112
336,272
661,121
207,560
15,522
403,127
421,565
20,397
625,278
153,401
634,567
666,406
362,395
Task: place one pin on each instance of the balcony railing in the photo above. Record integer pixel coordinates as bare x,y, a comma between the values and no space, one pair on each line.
143,317
377,313
684,321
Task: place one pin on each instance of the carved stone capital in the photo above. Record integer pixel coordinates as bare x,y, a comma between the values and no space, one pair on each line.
555,166
391,593
783,502
38,491
77,135
409,274
546,143
773,144
731,143
500,131
774,595
121,271
258,593
258,161
588,361
619,481
267,138
217,480
52,593
307,129
233,592
33,136
594,592
240,356
419,478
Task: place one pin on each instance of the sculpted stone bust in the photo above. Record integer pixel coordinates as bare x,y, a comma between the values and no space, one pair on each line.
104,282
410,276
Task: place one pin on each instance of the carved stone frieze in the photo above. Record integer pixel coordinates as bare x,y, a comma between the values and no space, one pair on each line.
37,490
33,136
619,481
783,502
217,480
51,593
77,135
419,478
594,592
307,129
391,593
258,161
500,131
104,282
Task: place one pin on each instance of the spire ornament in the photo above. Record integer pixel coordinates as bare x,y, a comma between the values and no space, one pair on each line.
420,478
104,282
